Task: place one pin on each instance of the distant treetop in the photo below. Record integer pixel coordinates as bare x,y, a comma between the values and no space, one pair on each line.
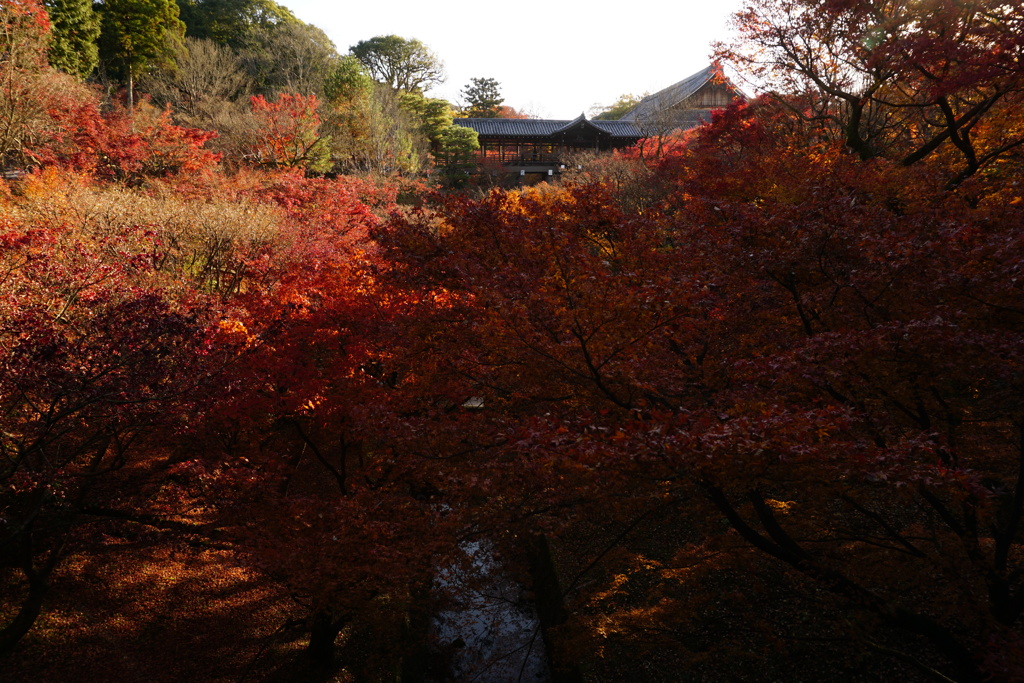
402,63
232,22
613,112
483,98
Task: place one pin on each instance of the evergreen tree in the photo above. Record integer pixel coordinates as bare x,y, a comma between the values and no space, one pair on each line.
454,151
483,98
75,29
347,81
136,35
433,114
235,23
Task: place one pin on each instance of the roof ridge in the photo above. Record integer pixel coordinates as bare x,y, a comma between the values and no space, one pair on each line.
545,127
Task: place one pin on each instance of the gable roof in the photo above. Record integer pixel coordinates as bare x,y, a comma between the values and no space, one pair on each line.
676,94
636,124
533,128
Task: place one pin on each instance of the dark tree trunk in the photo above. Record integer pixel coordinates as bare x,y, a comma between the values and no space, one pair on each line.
322,633
38,586
131,92
26,617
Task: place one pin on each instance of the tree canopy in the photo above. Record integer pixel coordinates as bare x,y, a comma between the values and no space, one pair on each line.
290,57
232,22
904,81
75,29
482,97
136,35
615,111
401,63
348,80
759,392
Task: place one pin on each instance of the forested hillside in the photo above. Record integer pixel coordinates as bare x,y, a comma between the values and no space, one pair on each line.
740,404
271,91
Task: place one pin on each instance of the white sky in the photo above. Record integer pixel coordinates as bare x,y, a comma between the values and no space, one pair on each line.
553,59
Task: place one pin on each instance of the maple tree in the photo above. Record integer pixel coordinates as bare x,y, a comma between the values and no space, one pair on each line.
299,457
905,80
506,112
104,325
120,144
286,133
25,84
92,353
802,366
26,28
51,119
867,258
803,341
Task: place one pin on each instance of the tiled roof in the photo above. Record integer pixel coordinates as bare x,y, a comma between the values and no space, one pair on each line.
529,128
621,129
631,126
674,94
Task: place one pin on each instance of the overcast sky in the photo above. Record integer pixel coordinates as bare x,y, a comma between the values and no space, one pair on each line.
553,59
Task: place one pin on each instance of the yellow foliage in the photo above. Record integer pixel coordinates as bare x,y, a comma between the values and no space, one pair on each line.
780,505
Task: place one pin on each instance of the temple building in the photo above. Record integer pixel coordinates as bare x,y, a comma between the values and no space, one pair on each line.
528,146
685,104
544,146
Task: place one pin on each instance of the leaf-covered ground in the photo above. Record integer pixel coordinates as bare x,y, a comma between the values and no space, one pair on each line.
145,606
649,612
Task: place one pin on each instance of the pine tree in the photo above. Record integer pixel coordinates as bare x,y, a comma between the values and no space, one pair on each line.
483,98
136,35
75,29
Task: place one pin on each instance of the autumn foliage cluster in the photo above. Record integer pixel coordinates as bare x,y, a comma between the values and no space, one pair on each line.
776,374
